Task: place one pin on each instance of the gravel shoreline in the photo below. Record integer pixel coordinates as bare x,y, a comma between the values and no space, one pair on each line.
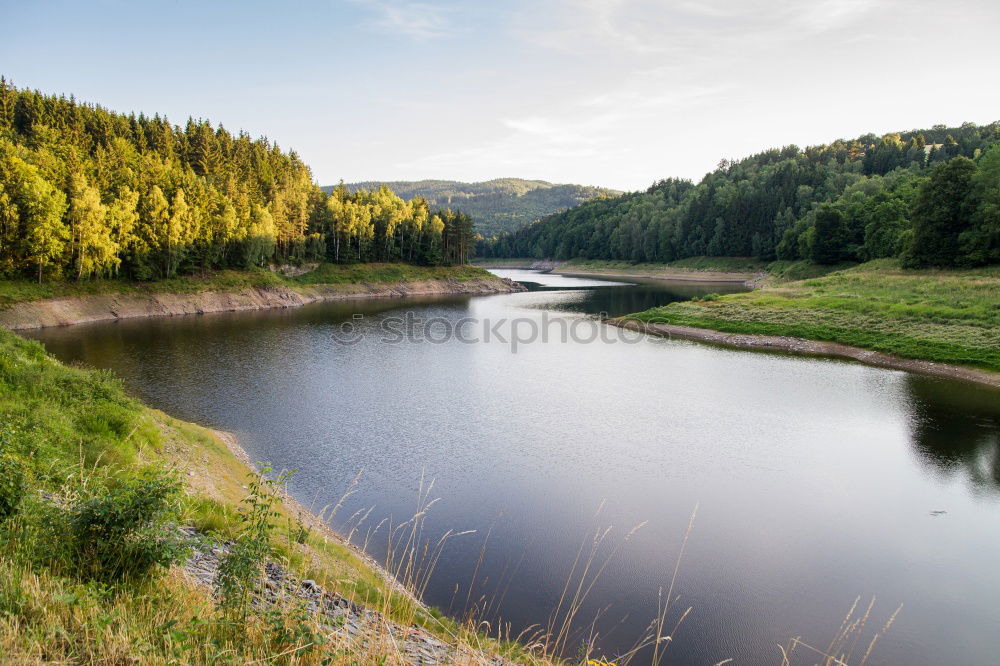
812,348
341,620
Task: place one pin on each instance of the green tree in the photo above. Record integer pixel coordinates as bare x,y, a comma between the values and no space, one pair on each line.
94,249
885,229
941,213
154,220
980,244
828,241
40,209
121,219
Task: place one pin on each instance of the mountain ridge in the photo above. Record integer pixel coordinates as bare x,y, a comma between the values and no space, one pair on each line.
496,205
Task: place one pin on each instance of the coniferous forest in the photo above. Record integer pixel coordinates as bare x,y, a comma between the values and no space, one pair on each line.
87,192
928,197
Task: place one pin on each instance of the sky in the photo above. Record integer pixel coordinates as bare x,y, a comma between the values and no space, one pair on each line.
616,93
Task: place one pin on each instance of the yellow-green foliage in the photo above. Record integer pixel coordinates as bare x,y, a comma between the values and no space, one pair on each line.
87,192
936,315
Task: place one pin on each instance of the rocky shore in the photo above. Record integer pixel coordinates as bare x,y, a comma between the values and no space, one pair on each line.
811,348
109,307
340,619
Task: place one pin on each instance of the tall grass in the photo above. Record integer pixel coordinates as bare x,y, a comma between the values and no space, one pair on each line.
846,643
85,465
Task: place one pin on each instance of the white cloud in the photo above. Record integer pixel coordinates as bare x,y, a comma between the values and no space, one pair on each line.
602,127
624,92
651,27
413,19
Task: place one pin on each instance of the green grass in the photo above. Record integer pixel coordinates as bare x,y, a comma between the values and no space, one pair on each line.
353,273
16,291
713,264
524,262
740,267
943,316
69,432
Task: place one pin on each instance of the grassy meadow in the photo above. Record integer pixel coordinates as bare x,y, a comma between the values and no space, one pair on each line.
948,316
707,268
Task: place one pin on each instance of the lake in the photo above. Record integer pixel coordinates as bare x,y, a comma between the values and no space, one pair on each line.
816,481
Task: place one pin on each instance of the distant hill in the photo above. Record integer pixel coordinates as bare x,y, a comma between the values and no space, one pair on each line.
496,205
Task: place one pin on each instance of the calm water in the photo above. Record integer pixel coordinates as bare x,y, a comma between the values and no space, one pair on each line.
816,480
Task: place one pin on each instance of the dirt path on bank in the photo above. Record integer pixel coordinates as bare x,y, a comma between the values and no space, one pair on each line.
812,348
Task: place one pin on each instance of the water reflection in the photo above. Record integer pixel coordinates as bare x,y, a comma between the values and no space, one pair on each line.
955,429
615,298
789,458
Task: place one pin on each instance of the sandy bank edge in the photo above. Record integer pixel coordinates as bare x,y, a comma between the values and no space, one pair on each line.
812,348
110,307
747,278
312,520
722,277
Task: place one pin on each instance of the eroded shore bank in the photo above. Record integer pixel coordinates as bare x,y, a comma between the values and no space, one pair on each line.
109,307
812,348
752,280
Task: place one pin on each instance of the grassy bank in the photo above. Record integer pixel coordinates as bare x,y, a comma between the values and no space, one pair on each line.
934,315
709,269
92,488
513,262
16,291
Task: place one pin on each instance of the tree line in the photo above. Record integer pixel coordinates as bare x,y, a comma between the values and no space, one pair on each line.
928,197
87,192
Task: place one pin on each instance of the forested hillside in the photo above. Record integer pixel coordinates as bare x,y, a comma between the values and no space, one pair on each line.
930,197
498,205
85,191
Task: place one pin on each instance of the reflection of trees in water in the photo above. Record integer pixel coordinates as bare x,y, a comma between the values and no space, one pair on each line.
618,301
955,428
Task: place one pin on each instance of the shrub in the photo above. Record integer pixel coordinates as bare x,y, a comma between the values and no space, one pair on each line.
241,567
123,532
13,484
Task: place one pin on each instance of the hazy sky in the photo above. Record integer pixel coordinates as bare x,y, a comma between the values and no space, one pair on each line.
604,92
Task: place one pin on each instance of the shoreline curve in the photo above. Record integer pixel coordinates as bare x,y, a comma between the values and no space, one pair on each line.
808,347
93,308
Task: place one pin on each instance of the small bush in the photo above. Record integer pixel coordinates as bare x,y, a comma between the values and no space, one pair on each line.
123,531
13,484
240,569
